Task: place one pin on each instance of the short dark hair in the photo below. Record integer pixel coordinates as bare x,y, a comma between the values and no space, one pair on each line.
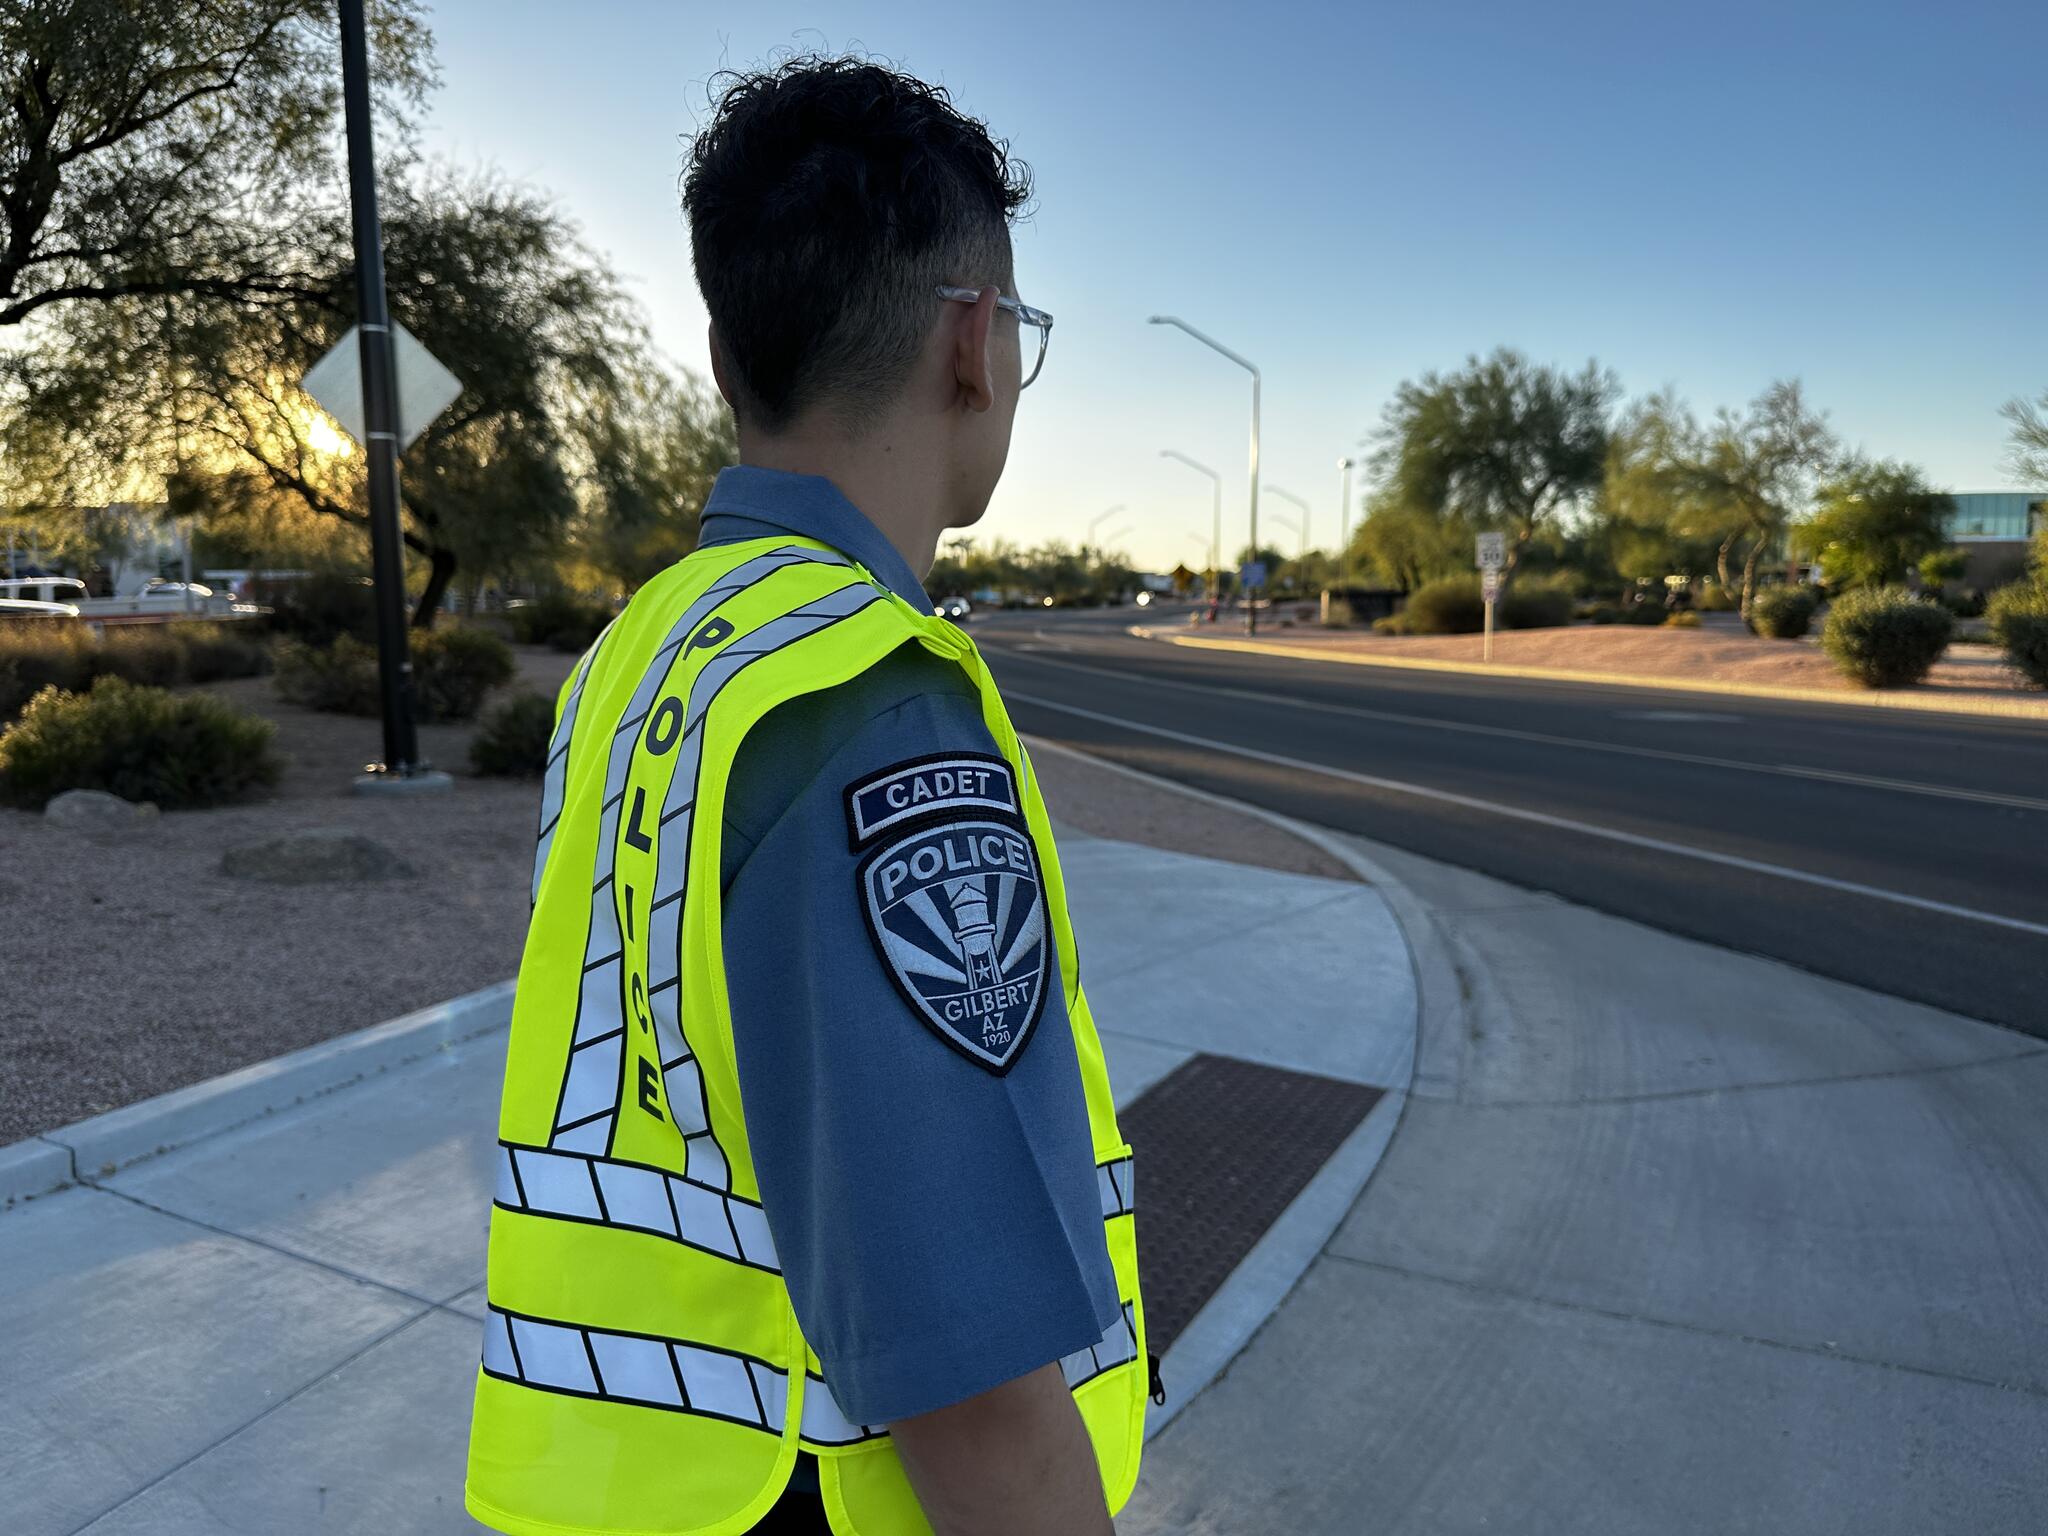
827,197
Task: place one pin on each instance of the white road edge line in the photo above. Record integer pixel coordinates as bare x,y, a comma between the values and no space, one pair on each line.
1472,728
1544,819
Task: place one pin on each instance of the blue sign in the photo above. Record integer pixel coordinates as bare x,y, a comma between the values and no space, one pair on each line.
1252,574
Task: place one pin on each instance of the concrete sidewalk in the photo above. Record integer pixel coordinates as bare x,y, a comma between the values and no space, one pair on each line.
1672,1240
275,1327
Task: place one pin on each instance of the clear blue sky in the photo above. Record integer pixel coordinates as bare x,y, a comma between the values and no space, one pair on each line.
1709,197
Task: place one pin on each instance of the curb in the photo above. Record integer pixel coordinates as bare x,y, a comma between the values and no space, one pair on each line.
1269,1272
104,1144
1993,708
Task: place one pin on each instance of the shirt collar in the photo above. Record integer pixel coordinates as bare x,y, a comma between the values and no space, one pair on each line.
749,502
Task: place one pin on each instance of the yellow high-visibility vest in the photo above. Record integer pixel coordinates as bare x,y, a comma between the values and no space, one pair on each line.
643,1368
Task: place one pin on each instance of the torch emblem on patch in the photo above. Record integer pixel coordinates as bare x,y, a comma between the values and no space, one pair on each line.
958,913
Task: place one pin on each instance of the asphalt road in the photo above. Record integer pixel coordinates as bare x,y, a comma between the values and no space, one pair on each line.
1900,851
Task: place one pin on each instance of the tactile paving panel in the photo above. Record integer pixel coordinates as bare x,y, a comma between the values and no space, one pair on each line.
1220,1148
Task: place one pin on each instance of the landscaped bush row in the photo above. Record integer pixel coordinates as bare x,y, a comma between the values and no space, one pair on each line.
2019,623
1884,637
179,750
512,739
1454,605
559,621
320,608
1782,613
40,654
453,668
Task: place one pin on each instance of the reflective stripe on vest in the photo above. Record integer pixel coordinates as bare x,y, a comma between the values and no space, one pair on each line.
642,1360
650,1372
607,1192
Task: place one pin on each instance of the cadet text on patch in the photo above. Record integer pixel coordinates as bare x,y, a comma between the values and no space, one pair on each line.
958,913
952,781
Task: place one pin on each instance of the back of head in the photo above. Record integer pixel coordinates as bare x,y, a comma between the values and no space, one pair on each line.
827,198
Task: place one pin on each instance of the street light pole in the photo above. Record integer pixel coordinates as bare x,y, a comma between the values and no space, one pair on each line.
1344,522
380,409
1101,518
1274,490
1216,535
1251,614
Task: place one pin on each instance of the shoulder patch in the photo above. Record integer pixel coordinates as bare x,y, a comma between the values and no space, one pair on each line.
957,911
944,782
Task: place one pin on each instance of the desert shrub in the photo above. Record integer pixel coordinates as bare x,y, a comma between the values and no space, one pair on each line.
454,667
1683,619
1782,613
512,740
1391,624
1450,605
338,678
1715,598
558,620
1939,567
36,654
68,657
147,655
1965,603
1884,637
179,750
1536,602
320,608
2019,623
214,652
1621,613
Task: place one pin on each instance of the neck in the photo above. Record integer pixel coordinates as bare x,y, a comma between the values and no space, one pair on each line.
897,488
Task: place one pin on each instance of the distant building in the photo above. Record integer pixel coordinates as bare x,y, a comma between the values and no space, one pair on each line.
1993,528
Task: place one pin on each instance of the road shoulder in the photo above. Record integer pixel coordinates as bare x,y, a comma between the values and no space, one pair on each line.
2012,704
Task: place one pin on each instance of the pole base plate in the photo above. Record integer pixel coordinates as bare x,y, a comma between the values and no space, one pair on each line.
421,781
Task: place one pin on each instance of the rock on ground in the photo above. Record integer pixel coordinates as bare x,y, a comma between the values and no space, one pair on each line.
313,856
94,810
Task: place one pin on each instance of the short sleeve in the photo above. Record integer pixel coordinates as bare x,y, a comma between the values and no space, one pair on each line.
935,1208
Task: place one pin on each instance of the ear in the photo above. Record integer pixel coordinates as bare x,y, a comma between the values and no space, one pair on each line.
973,366
718,371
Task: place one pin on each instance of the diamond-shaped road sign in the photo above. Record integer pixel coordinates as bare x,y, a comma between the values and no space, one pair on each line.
425,387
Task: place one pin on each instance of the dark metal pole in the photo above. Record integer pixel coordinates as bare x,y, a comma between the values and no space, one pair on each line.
380,405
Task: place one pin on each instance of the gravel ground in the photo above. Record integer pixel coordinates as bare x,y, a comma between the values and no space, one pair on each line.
139,967
1720,653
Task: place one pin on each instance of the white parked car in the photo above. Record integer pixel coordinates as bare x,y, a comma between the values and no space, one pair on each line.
29,608
43,589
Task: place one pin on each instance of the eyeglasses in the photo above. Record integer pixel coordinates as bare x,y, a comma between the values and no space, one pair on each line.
1025,313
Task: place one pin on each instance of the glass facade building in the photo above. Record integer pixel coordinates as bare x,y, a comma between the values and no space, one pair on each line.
1996,515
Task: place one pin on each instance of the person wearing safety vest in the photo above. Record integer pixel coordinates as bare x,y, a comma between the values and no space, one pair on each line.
811,1210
